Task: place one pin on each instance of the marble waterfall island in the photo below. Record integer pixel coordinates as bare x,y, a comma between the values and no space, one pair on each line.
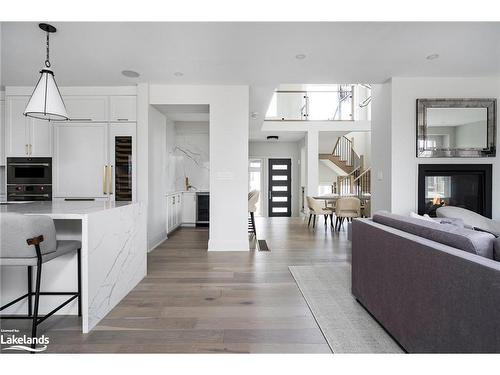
114,248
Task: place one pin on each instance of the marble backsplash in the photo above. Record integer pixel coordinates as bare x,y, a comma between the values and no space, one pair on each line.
191,156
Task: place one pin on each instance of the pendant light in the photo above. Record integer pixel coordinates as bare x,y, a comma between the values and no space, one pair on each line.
46,102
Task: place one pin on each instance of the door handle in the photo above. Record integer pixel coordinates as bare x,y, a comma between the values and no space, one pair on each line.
104,179
110,171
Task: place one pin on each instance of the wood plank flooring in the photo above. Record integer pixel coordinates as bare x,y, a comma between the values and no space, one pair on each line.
194,301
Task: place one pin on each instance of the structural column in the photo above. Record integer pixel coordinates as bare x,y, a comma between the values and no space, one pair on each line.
312,162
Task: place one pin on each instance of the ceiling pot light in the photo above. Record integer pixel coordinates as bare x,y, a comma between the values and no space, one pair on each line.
46,102
178,74
433,56
272,137
130,73
300,56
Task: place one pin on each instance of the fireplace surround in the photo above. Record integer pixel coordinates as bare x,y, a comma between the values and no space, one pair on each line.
462,185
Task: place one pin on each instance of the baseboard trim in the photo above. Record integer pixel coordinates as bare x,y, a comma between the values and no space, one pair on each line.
158,243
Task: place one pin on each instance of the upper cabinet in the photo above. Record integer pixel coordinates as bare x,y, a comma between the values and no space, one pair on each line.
87,108
25,136
123,108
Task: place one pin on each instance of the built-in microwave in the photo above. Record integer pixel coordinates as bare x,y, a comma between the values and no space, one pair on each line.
32,171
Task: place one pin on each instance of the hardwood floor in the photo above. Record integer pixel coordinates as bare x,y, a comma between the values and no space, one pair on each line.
194,301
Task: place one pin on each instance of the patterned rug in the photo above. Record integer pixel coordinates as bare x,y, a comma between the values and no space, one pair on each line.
346,325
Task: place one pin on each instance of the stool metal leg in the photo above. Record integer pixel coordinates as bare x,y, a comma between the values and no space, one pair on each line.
30,290
37,298
79,256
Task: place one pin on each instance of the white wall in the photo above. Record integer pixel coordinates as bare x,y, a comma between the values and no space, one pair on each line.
326,175
381,150
157,163
229,114
285,150
362,145
192,155
397,121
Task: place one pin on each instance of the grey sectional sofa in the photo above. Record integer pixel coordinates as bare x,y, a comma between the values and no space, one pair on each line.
434,287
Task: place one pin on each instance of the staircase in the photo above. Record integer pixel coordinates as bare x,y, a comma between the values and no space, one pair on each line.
357,180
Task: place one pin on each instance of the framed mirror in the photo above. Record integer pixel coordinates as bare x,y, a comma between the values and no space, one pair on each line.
456,128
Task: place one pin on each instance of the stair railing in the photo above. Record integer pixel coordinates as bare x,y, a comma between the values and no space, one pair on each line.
344,150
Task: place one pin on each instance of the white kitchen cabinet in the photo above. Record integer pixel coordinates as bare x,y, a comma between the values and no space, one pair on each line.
16,127
40,136
188,209
174,211
123,108
25,136
87,108
80,160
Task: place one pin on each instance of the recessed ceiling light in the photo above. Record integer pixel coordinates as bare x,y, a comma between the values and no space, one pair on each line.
130,73
272,137
178,74
433,56
300,56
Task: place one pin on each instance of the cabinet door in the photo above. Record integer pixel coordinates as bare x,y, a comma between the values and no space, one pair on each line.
16,130
122,160
189,208
179,209
87,108
40,137
123,108
80,160
171,212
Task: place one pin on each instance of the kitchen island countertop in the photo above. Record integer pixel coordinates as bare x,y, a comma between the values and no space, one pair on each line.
61,209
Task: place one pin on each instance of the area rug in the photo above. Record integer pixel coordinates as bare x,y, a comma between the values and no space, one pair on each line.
346,325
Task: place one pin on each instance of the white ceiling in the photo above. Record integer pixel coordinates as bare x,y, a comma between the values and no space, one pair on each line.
261,55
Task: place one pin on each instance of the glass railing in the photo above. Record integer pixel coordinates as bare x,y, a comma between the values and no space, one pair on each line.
312,105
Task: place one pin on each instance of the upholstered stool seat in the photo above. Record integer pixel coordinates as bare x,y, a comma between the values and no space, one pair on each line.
62,247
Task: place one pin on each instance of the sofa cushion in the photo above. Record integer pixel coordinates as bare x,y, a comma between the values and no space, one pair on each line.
496,249
479,243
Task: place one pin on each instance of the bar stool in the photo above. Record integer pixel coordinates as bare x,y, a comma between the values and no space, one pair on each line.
28,241
253,198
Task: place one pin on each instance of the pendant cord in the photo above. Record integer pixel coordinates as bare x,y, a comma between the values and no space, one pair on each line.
47,62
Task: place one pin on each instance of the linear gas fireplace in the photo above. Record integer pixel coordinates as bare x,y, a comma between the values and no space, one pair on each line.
461,185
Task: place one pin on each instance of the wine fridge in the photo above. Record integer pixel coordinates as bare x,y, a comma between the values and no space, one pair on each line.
123,168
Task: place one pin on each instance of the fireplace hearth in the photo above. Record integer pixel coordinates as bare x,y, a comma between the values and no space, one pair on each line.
462,185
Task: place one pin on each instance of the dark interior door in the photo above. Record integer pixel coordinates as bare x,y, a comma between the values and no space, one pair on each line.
280,184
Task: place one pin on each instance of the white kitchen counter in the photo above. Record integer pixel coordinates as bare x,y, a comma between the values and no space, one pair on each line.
114,248
61,209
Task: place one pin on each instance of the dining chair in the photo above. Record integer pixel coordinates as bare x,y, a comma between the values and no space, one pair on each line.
346,208
318,209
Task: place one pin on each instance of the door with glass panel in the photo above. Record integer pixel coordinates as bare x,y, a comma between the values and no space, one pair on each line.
280,184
